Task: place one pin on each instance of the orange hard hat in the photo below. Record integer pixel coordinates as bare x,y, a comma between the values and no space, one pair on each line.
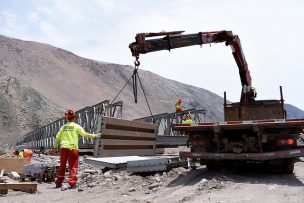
15,152
178,100
69,114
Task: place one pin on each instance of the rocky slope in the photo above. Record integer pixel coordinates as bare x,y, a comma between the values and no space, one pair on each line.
22,109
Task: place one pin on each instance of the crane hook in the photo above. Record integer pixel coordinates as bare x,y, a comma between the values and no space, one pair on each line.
136,62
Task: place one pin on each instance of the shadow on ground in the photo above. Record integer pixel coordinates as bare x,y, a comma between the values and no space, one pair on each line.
251,173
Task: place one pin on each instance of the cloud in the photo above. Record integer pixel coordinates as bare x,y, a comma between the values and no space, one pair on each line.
33,17
106,5
8,20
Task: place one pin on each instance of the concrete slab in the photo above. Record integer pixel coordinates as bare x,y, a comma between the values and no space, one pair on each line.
138,163
155,164
148,165
113,162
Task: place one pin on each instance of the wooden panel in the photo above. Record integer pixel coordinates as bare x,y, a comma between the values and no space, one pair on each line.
114,123
25,187
126,142
126,138
13,164
129,152
130,135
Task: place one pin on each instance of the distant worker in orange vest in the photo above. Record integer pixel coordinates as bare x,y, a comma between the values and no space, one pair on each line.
178,106
68,139
24,153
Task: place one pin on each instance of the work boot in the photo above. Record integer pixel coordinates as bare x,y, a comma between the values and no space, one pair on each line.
72,187
64,187
59,186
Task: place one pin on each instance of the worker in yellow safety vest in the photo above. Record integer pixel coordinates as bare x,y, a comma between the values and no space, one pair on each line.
188,120
24,153
68,139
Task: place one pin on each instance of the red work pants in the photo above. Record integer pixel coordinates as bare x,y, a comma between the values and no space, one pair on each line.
70,155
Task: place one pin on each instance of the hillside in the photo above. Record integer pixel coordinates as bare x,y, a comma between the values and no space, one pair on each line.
293,112
22,109
39,81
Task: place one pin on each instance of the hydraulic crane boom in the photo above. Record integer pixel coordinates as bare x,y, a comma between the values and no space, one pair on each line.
176,39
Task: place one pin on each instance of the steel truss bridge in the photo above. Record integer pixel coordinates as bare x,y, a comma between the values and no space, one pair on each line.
87,117
44,136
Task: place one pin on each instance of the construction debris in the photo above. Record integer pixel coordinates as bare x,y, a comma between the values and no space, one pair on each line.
43,172
14,175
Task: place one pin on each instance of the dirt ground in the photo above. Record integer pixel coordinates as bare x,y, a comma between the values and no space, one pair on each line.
252,184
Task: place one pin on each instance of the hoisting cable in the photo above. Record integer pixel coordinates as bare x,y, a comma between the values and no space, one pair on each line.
121,89
142,87
137,63
134,77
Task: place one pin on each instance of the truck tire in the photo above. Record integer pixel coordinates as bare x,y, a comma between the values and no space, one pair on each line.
287,166
211,165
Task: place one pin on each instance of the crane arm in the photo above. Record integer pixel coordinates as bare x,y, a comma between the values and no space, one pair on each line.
173,40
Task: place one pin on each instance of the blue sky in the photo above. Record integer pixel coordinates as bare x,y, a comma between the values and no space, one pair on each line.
271,33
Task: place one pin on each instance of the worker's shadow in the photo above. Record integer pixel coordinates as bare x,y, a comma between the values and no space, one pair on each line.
252,175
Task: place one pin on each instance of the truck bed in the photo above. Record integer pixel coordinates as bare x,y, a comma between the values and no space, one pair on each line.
234,125
265,132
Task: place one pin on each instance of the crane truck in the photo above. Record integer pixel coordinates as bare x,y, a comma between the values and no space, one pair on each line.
252,131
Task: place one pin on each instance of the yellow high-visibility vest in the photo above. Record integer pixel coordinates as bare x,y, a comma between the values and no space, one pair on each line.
187,121
68,136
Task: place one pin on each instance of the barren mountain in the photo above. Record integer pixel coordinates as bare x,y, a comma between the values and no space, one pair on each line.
39,81
293,112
